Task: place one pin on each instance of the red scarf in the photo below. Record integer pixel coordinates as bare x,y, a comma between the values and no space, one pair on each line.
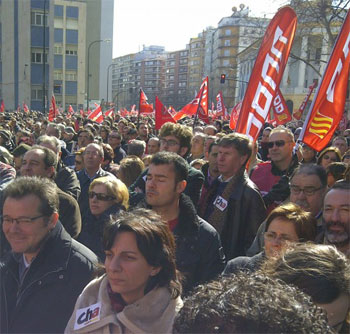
116,299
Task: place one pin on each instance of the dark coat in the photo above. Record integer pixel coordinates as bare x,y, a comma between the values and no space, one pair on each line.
92,231
199,254
69,213
245,212
85,182
195,181
66,179
119,154
45,300
245,263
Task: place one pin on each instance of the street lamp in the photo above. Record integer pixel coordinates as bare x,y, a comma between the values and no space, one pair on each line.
109,66
88,69
44,58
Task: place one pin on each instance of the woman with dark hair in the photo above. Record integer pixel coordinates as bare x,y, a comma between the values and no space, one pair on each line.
107,196
288,223
328,155
140,291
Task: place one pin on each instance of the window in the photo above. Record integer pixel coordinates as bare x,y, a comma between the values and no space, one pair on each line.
37,19
71,76
183,61
225,62
36,93
226,53
58,49
227,42
227,32
71,52
57,89
182,84
183,76
183,53
37,57
57,75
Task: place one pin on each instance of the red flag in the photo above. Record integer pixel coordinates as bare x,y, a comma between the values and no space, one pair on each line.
70,110
82,112
76,126
53,112
2,107
162,114
18,108
25,108
96,115
267,72
172,111
235,115
297,115
144,106
280,109
109,112
328,105
220,106
191,108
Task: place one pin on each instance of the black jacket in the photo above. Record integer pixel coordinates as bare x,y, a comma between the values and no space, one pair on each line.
92,231
245,212
66,179
45,300
195,181
245,263
199,254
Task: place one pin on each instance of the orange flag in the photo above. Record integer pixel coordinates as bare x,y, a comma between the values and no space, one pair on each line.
202,98
280,109
162,114
267,72
327,107
144,107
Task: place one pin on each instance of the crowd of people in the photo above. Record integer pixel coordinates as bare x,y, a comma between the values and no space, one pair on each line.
119,228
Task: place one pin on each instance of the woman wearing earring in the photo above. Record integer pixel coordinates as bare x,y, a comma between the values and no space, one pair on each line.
140,290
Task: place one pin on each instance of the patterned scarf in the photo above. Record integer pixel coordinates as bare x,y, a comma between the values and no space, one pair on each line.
116,299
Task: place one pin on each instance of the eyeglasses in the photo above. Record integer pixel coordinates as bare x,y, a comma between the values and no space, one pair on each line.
308,191
100,196
278,143
22,221
169,142
272,236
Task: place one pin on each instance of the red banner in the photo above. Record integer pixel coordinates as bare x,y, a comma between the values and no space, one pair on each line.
25,108
328,104
144,106
191,108
109,112
297,114
235,115
162,114
53,112
96,115
2,107
267,72
280,109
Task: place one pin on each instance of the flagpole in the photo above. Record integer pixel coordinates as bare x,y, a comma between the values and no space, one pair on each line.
199,103
138,114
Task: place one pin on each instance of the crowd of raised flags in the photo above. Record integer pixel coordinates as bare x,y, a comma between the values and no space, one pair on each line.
263,97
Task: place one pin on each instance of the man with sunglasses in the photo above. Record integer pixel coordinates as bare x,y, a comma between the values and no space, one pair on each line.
272,177
115,140
46,269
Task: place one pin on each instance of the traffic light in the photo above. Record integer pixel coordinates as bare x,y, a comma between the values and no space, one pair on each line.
222,78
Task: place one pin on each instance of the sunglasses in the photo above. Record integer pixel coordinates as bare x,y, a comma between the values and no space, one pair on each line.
101,197
278,143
